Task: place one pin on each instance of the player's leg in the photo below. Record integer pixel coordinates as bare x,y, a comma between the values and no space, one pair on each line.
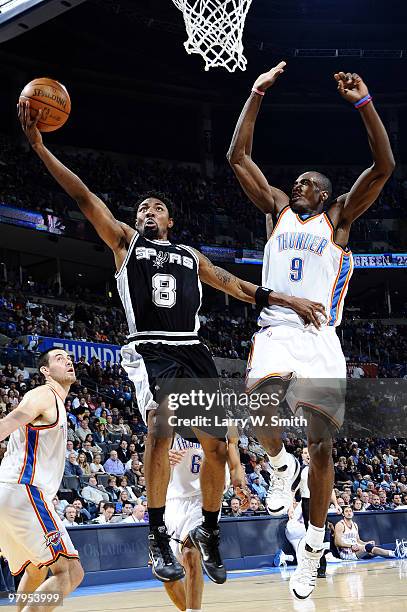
176,592
67,574
285,478
320,482
374,551
165,566
212,479
194,581
32,578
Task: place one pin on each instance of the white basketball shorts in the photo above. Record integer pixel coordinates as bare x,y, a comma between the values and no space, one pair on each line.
181,515
304,357
31,530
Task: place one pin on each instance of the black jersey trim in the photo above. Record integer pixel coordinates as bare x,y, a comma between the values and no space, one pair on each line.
129,252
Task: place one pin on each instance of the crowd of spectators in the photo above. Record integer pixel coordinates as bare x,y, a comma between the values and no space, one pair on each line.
209,210
104,472
25,317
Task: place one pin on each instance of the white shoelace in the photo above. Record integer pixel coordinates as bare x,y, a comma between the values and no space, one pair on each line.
307,571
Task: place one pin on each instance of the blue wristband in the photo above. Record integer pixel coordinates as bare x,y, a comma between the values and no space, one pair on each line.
363,101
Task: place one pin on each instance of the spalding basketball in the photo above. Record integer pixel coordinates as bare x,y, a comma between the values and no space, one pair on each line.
52,98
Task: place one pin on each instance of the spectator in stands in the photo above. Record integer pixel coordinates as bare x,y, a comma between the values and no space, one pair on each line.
133,473
256,487
137,515
107,514
96,466
127,509
140,487
123,453
71,466
82,515
22,370
113,465
112,489
358,505
365,499
83,429
141,444
9,372
100,435
59,506
123,486
234,510
125,429
254,508
111,427
70,516
70,449
383,499
83,464
94,492
376,504
137,426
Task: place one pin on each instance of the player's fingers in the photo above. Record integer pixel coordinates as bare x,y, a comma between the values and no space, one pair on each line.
319,307
38,116
314,319
281,65
342,75
337,77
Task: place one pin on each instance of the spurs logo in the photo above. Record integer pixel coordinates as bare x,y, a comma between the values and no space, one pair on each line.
53,538
160,259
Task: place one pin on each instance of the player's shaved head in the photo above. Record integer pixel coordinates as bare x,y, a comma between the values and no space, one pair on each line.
323,182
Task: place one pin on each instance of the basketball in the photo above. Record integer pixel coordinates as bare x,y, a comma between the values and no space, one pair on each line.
52,98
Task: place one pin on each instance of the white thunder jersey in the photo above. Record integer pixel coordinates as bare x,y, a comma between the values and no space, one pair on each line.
36,454
184,480
350,535
302,260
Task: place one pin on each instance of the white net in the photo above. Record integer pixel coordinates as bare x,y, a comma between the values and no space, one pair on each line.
215,31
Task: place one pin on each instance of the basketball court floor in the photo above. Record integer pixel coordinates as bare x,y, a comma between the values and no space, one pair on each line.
373,586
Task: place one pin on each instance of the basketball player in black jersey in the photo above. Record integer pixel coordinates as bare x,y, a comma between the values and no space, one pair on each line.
160,287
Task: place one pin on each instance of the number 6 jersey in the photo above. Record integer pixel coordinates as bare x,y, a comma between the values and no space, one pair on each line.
160,290
302,260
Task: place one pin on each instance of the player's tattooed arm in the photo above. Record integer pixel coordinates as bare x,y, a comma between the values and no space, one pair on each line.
94,209
370,183
310,312
252,180
29,409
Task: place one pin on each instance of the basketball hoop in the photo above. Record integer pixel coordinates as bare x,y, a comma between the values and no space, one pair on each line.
215,31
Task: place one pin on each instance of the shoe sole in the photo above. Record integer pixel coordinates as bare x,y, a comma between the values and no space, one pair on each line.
203,562
294,487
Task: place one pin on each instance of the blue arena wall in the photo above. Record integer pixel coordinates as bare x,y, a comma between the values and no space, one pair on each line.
119,553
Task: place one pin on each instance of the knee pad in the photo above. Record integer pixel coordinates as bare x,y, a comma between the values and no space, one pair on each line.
369,548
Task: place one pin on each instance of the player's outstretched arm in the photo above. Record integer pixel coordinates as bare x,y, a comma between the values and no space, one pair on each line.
371,182
242,290
29,409
253,182
96,211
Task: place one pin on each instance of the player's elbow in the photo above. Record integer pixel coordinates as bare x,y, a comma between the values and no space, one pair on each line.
235,156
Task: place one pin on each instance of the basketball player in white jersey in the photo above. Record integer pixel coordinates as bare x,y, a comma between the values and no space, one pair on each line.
306,255
32,535
349,544
159,284
183,513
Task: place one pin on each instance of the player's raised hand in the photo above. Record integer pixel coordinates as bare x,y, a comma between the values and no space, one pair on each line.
267,79
351,86
28,124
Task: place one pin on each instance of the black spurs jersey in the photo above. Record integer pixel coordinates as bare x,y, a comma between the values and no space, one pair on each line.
160,290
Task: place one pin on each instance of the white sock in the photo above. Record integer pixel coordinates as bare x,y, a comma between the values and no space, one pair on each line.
193,610
392,553
315,537
281,459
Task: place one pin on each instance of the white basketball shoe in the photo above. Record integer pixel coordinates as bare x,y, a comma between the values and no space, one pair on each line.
303,580
283,484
